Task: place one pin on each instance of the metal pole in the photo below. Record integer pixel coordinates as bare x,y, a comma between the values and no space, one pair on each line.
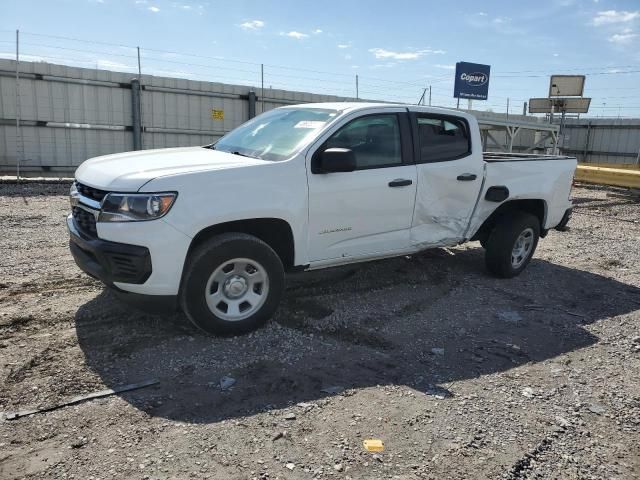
458,104
140,98
429,95
561,131
357,88
252,103
261,88
135,112
524,109
585,153
18,132
507,108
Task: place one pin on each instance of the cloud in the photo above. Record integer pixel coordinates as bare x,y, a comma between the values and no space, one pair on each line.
383,65
501,20
252,25
623,38
381,53
317,31
499,24
608,17
347,57
110,65
445,67
185,7
344,45
154,9
294,34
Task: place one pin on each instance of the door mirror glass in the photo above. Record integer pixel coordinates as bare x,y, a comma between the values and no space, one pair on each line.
337,160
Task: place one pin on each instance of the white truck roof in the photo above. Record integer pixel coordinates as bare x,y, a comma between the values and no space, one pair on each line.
357,106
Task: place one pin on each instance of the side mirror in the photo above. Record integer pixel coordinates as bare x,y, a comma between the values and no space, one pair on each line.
336,160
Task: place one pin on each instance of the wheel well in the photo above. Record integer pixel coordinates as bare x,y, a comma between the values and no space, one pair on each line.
538,208
275,232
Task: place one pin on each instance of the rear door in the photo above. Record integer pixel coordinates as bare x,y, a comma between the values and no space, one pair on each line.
368,211
449,165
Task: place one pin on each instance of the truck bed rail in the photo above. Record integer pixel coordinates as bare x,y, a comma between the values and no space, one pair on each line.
520,157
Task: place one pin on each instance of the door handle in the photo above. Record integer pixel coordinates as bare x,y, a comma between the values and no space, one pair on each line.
467,177
400,182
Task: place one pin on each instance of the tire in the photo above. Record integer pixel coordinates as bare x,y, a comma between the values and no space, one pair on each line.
232,284
502,241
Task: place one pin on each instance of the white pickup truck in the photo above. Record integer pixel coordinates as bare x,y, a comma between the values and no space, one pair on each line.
213,229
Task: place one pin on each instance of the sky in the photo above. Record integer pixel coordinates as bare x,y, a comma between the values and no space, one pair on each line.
396,48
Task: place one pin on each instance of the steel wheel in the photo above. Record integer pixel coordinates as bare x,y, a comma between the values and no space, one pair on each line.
237,289
522,248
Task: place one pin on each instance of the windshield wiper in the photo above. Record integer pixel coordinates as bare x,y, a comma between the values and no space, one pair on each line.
241,154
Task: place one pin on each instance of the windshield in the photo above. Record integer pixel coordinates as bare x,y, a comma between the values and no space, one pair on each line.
277,134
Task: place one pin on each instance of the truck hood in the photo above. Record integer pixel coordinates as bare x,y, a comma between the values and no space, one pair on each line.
129,171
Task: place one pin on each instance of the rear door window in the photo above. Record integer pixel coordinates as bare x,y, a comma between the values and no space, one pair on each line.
442,139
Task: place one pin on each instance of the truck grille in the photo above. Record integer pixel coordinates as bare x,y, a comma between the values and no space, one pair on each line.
90,192
85,221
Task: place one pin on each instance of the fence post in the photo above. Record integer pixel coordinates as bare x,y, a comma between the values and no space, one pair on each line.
140,97
252,104
585,152
19,139
135,113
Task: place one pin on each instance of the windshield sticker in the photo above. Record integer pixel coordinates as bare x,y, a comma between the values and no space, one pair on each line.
309,124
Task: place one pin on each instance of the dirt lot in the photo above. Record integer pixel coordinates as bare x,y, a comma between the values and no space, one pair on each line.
460,374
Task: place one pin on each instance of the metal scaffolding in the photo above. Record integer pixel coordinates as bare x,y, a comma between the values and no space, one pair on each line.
543,133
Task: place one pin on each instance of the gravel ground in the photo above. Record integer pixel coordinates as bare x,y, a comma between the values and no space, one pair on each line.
460,374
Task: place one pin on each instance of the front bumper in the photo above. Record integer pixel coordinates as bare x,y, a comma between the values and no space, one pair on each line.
112,262
107,261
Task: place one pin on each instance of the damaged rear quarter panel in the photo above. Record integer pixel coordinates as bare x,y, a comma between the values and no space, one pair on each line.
549,181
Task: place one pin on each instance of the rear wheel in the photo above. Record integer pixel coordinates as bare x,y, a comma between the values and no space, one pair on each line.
511,244
232,284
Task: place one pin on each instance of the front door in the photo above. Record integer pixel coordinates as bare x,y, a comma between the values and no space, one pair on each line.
367,211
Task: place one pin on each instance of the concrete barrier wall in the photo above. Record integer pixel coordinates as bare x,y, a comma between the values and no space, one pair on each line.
69,114
603,140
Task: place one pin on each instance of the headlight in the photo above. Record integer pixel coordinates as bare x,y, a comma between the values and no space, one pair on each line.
135,207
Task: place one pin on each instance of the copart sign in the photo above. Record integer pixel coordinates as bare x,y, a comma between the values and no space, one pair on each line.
472,81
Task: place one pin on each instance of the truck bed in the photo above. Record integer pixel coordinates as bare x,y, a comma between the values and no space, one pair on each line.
520,157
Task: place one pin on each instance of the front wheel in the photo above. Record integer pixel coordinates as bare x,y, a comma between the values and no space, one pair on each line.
232,284
511,244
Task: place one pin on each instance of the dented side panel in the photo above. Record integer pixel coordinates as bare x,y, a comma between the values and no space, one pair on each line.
444,203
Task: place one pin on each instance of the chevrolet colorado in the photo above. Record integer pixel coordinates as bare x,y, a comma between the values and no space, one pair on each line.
213,229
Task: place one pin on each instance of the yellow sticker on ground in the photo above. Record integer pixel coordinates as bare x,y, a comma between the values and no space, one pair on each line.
373,445
217,114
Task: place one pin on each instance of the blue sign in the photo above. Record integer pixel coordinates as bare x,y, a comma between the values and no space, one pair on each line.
472,81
